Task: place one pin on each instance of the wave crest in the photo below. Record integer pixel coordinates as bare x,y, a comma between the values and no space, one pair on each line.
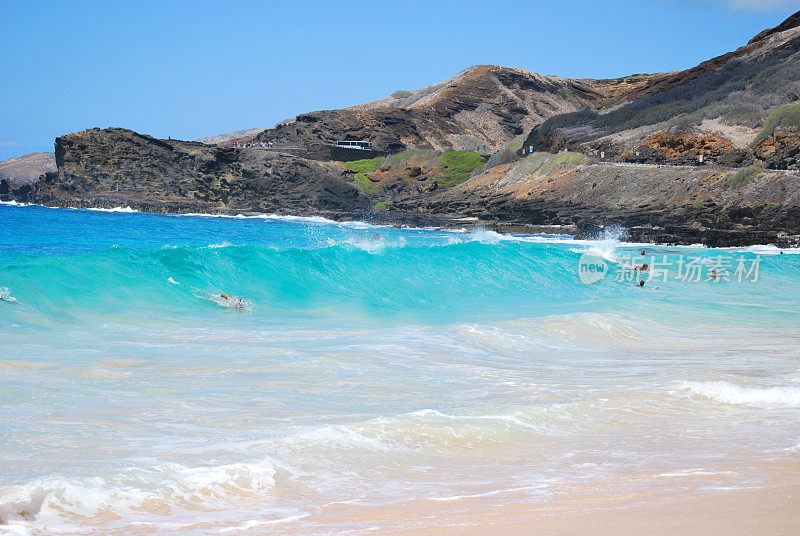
730,393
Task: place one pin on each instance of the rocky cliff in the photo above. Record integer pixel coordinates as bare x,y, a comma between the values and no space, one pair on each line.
710,204
740,112
117,167
482,108
737,109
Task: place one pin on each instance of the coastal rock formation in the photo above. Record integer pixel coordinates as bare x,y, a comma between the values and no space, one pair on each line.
715,206
740,97
118,167
679,149
740,112
481,108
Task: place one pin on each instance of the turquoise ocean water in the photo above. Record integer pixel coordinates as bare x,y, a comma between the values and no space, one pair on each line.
370,366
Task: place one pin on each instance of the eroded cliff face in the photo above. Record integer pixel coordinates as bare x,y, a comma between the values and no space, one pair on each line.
714,205
117,167
711,205
740,112
727,104
481,108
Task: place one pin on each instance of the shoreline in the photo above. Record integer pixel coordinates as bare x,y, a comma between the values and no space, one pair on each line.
403,220
699,510
770,511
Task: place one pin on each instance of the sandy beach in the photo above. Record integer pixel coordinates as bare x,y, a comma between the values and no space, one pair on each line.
773,510
341,404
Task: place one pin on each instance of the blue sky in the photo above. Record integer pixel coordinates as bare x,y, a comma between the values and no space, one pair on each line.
195,69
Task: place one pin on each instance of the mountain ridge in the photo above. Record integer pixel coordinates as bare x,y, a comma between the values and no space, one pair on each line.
496,147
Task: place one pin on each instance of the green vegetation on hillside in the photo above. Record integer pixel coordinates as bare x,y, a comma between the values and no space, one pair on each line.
564,161
745,175
786,116
457,166
368,165
381,205
362,168
362,182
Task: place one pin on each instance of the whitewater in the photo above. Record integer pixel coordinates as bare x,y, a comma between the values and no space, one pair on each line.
373,369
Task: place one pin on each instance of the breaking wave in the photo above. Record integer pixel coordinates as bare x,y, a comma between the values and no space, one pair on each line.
730,393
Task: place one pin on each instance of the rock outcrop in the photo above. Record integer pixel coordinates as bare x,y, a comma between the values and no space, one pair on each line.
740,112
481,108
729,97
711,205
117,167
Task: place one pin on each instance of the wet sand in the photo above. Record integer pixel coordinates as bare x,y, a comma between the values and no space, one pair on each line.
771,510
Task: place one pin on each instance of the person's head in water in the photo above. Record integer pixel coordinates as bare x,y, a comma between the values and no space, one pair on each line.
641,283
643,253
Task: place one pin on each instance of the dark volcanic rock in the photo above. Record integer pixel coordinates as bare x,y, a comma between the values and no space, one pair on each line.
481,108
715,110
676,205
115,167
781,151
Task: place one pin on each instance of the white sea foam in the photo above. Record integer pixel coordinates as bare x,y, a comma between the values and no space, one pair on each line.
127,209
479,235
729,393
44,502
342,437
370,245
768,250
5,295
505,419
223,244
524,489
606,245
231,302
423,430
246,525
318,220
694,472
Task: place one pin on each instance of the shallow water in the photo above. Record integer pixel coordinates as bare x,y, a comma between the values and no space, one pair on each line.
374,366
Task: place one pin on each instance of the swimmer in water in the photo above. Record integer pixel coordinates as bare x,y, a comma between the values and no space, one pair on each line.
642,268
235,301
5,295
643,253
641,283
713,274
